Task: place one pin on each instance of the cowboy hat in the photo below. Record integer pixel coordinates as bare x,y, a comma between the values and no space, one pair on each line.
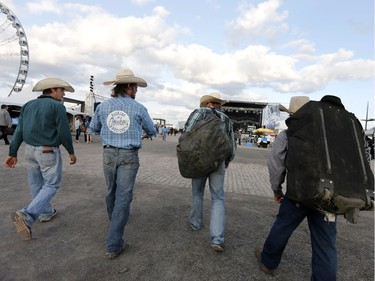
213,97
52,82
126,77
295,103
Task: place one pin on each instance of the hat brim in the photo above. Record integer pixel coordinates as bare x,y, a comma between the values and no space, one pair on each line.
295,104
207,98
283,108
49,83
127,80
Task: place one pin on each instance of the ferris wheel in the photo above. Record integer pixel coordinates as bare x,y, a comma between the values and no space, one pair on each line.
14,51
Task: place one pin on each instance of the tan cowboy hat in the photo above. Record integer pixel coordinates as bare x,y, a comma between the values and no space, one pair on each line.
126,77
295,103
52,82
213,97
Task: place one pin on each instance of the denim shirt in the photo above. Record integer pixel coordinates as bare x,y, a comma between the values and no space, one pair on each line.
120,121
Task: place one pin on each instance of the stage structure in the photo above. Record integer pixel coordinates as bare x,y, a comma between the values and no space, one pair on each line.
248,116
93,99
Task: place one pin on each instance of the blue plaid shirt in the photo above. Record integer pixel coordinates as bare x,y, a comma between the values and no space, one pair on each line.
120,122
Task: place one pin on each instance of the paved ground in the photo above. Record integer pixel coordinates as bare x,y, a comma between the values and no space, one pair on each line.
162,246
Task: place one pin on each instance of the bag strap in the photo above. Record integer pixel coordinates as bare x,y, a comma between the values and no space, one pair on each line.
215,112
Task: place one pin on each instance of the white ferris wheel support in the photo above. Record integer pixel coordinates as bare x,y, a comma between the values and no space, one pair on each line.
24,49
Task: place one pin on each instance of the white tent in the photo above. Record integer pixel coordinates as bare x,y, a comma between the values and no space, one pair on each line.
17,100
370,132
280,125
20,98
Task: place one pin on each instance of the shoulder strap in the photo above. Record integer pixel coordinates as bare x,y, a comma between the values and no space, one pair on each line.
215,112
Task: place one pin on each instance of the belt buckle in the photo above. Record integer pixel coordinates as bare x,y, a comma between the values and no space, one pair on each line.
110,146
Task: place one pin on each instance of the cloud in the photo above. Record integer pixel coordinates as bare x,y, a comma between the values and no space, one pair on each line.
50,6
254,65
141,2
108,41
302,45
262,20
100,46
337,66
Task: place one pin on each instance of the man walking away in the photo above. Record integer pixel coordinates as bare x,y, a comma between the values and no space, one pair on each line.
43,126
209,104
322,225
5,123
120,121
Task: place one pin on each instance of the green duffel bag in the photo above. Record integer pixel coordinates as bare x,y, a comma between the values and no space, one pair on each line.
201,150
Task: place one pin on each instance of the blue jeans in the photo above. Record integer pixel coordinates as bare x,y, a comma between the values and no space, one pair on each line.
44,175
78,133
120,168
323,239
217,222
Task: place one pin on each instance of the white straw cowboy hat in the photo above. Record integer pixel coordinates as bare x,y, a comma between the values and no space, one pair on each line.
213,97
295,103
52,82
126,77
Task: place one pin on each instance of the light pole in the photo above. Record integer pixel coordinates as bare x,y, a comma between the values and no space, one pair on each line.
367,119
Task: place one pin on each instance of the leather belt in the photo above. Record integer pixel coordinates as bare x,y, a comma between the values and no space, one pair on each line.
114,147
47,149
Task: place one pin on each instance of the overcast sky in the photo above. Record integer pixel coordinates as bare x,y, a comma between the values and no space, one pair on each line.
261,51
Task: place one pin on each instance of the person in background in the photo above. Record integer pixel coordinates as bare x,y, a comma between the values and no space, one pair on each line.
164,132
77,126
83,128
216,178
5,123
238,136
120,121
43,126
370,145
88,131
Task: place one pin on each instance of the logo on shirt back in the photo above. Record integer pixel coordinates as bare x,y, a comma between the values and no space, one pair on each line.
118,121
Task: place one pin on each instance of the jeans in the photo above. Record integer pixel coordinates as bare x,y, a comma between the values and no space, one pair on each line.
44,175
217,222
323,239
78,133
120,168
4,134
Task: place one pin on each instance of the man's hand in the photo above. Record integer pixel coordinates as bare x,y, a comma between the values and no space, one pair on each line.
73,159
279,198
10,161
